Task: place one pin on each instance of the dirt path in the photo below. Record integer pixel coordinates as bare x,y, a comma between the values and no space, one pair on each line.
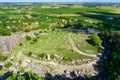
76,49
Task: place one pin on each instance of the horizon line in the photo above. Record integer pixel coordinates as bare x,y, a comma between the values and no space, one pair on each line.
59,2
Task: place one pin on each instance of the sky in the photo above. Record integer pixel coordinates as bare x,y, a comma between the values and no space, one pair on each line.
60,1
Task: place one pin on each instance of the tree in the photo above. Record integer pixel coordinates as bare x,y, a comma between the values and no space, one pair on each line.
15,77
28,38
112,60
95,40
27,76
78,25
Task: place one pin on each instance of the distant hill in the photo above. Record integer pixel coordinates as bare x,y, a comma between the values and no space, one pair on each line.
84,3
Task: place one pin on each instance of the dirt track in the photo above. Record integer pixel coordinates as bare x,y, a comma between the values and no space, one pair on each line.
76,49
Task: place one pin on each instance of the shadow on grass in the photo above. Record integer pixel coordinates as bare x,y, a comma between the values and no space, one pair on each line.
89,41
104,17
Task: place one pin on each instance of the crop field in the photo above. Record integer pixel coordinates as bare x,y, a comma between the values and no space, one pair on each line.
45,17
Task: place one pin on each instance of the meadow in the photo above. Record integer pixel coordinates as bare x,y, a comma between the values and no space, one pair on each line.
55,43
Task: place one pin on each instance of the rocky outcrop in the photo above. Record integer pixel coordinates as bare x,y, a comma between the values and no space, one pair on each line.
6,42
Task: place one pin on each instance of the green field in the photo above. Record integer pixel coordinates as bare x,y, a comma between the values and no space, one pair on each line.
45,17
82,44
70,37
56,42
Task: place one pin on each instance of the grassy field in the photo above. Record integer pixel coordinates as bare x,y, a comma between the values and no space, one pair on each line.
82,44
43,37
57,42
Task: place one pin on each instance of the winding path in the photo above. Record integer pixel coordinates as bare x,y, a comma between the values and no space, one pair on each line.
77,50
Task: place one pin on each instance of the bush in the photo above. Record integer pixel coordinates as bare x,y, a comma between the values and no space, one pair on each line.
40,31
22,70
2,58
32,43
29,54
88,77
20,62
14,30
41,55
67,59
8,64
35,40
36,34
52,56
28,38
20,44
5,32
27,30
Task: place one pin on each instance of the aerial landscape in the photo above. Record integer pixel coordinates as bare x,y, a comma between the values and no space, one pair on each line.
59,40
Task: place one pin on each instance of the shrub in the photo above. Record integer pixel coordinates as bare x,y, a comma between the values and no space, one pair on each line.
28,38
8,64
52,56
40,31
22,70
14,30
2,58
20,44
41,55
27,30
88,77
35,40
67,59
32,43
5,32
20,62
29,54
36,34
